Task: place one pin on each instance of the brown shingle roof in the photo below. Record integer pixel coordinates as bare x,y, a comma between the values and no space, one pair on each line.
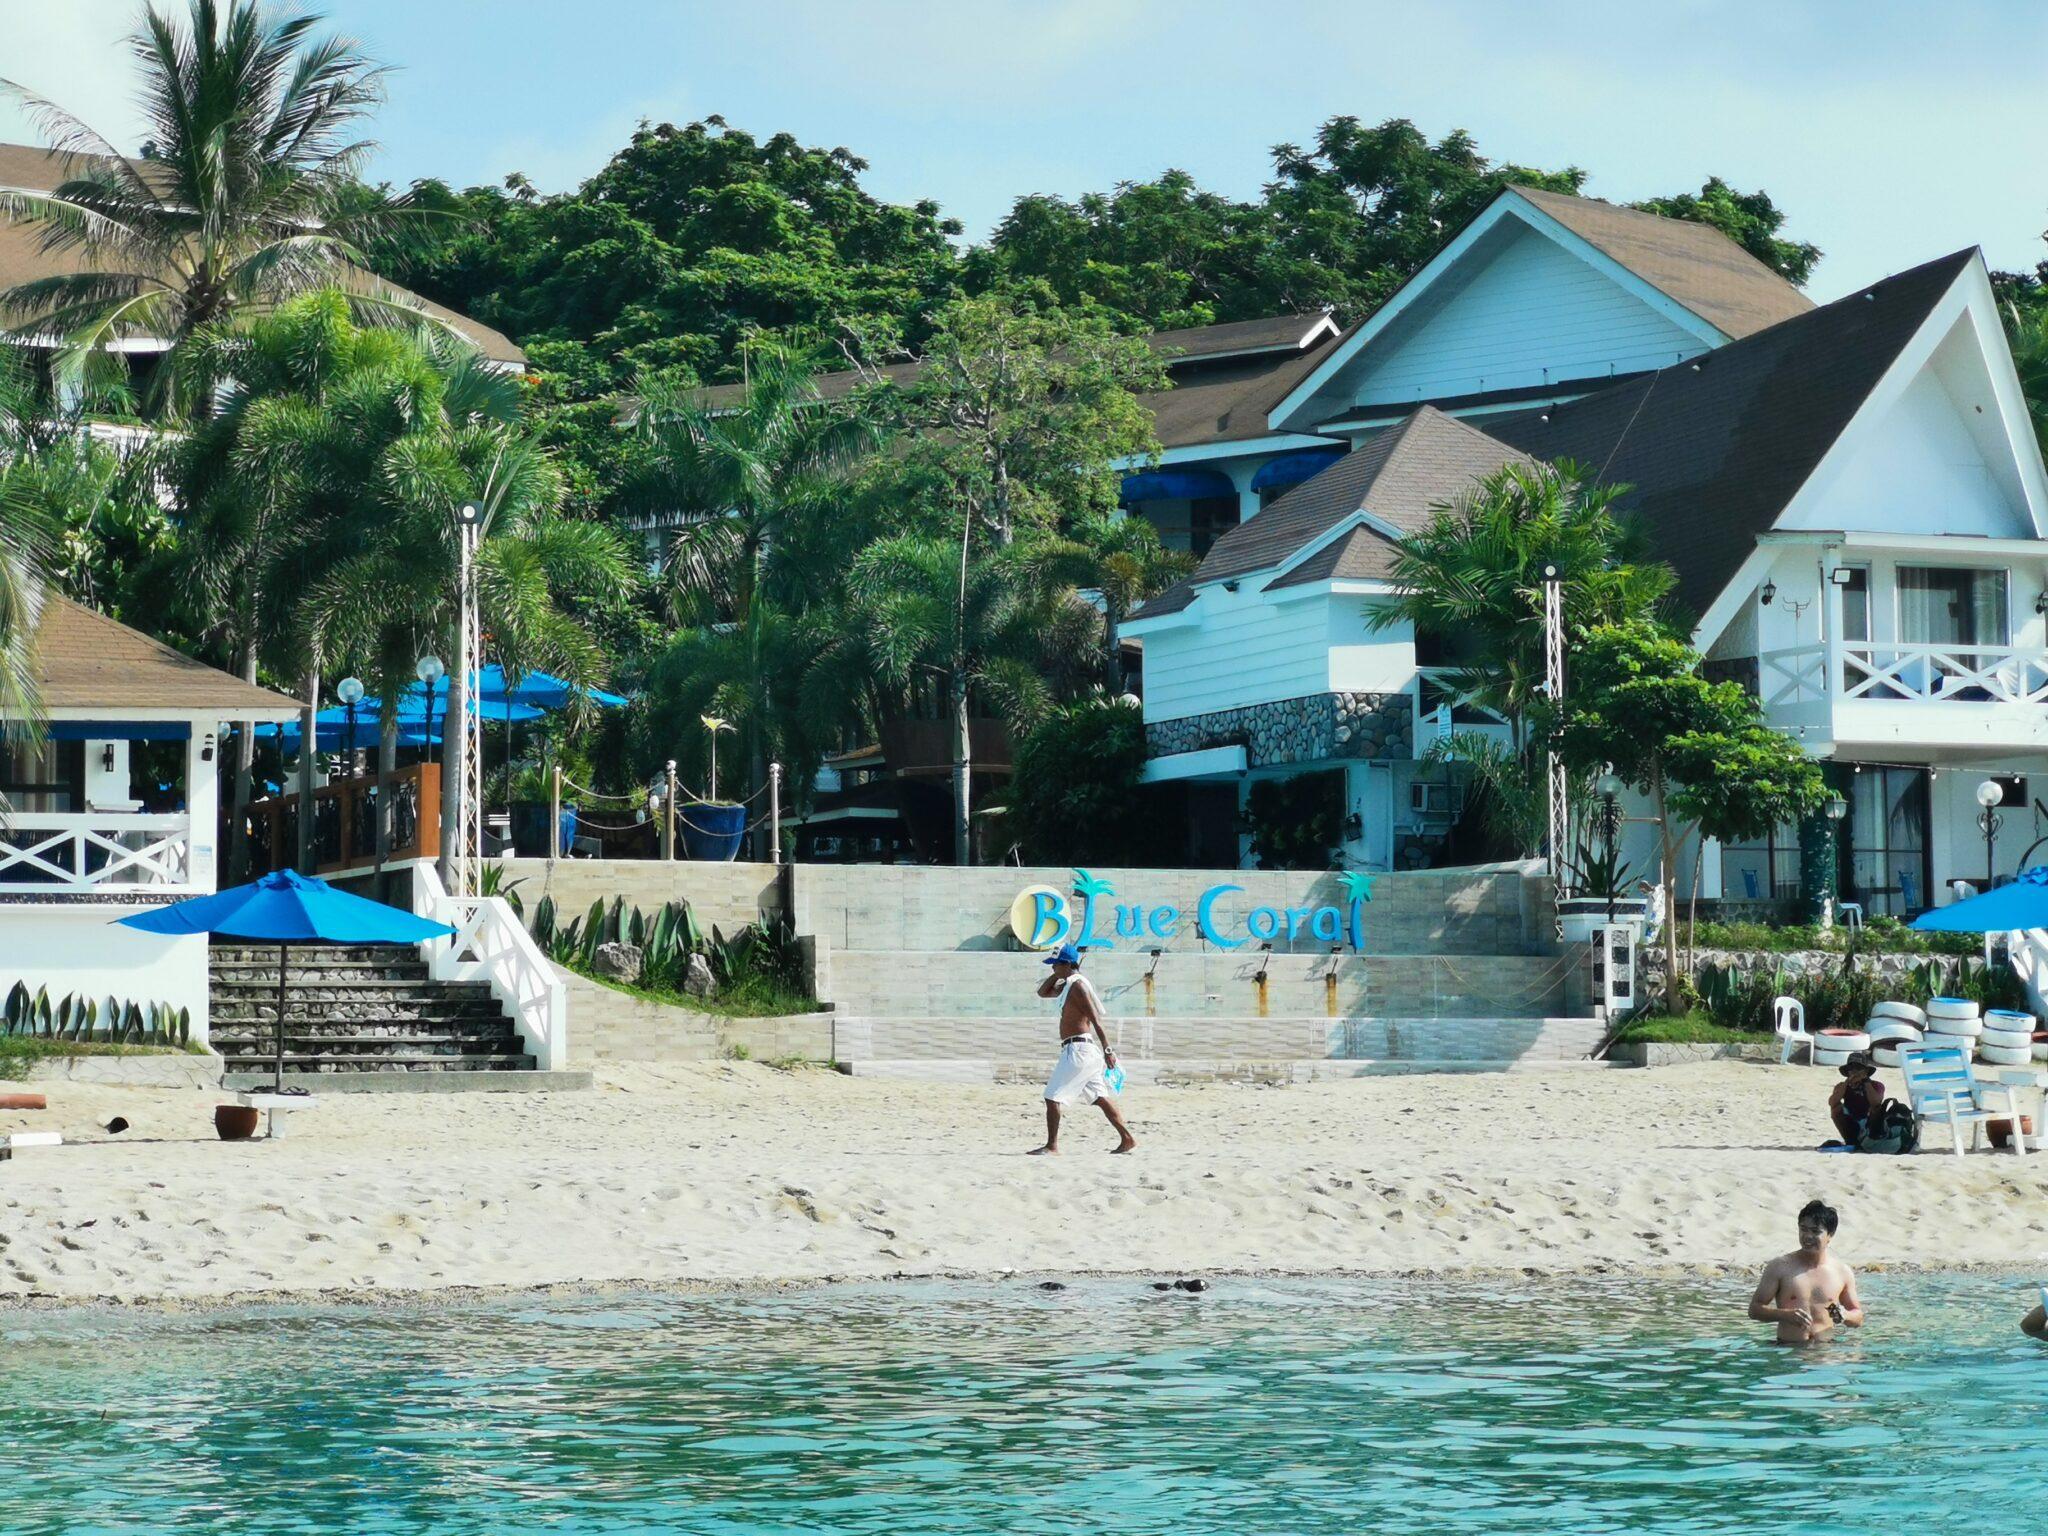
1691,262
24,167
1220,401
1715,448
88,661
1401,476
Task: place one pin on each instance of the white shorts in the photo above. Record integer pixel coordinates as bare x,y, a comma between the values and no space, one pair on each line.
1080,1075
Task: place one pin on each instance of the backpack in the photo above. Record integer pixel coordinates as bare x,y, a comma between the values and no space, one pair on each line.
1893,1128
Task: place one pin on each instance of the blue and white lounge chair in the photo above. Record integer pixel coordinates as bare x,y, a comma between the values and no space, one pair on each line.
1944,1088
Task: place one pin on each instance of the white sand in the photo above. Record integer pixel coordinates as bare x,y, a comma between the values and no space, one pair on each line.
724,1173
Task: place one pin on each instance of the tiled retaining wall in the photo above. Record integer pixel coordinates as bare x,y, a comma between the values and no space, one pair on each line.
1494,910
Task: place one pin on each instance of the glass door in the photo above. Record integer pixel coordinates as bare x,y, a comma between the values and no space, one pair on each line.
1888,858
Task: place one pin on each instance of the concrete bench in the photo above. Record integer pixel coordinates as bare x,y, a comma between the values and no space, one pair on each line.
271,1104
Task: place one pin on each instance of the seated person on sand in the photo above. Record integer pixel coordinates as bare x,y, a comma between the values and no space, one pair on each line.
1856,1098
1809,1291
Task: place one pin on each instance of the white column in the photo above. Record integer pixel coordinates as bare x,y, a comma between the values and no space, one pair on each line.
1241,474
202,800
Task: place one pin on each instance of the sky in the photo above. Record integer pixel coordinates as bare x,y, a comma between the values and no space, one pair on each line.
1890,132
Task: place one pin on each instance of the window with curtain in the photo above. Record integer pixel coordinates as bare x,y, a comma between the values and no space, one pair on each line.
1950,605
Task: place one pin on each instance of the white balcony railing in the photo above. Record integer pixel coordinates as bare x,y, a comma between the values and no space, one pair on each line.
1945,673
53,853
1899,671
1443,708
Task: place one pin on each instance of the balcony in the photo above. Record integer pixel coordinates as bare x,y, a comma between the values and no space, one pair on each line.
102,853
1909,695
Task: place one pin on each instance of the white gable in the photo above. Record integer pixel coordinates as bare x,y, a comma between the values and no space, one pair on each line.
1525,314
1516,301
1944,444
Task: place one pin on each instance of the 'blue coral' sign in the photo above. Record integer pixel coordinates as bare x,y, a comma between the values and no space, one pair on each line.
1043,917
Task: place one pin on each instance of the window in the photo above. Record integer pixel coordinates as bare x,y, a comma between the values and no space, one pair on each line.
1949,605
1763,871
1434,801
42,776
1856,603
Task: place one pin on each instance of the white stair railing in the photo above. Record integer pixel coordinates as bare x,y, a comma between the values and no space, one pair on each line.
491,944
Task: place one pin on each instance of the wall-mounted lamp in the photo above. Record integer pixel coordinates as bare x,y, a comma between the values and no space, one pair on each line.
107,756
2041,601
1230,586
1770,591
1841,575
1837,807
206,748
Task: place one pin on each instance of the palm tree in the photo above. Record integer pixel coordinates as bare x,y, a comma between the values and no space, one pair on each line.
27,544
1121,559
1473,578
246,193
321,495
750,488
944,628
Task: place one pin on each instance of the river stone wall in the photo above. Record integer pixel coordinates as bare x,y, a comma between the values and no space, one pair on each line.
1321,726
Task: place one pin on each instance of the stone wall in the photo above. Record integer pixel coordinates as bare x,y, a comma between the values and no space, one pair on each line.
1322,726
727,895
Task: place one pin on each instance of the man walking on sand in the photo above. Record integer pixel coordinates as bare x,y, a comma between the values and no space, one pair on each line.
1809,1291
1081,1075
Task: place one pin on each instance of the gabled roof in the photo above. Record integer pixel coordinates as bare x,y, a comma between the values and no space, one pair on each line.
1715,448
88,661
1692,272
27,168
1399,477
1691,262
1225,377
1272,333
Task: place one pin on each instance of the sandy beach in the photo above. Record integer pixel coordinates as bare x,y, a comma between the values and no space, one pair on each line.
726,1173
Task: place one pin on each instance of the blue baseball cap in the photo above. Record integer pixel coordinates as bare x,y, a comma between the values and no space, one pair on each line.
1066,954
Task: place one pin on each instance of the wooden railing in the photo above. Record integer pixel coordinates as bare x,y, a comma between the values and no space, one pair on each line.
48,853
345,823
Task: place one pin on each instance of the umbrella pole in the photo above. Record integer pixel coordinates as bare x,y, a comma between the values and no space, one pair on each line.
283,951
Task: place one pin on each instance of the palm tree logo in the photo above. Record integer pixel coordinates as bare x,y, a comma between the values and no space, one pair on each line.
1088,887
1357,887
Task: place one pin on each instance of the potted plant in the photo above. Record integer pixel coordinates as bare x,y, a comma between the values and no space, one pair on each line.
1601,884
710,830
530,807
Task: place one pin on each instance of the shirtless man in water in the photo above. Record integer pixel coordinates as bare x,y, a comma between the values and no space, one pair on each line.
1809,1291
1081,1075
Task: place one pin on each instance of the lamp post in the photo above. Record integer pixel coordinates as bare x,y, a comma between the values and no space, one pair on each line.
1553,688
1988,796
462,792
428,670
1609,787
350,691
1835,809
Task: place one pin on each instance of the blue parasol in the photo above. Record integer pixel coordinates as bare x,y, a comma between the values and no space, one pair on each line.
286,908
2022,904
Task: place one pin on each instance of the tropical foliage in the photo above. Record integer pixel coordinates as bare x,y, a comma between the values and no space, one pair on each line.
246,192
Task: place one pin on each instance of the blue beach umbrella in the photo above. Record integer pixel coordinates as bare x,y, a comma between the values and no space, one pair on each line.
2022,904
415,727
286,908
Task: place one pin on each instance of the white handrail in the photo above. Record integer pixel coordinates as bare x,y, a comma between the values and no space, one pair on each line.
491,944
40,850
1897,669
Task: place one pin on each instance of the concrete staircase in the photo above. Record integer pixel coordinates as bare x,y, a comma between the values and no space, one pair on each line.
355,1011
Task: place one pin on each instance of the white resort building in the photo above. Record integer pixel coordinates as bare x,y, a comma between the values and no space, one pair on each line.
1851,495
111,806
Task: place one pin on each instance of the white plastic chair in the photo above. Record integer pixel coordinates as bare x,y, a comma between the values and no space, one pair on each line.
1788,1019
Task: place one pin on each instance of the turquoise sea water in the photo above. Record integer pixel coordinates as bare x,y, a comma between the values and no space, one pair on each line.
1260,1406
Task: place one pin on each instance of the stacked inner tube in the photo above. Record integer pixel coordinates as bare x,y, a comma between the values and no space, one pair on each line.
2007,1039
1953,1021
1891,1027
1831,1047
